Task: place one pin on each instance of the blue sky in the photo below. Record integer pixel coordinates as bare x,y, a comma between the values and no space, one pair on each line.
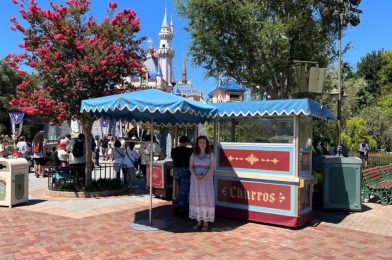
373,33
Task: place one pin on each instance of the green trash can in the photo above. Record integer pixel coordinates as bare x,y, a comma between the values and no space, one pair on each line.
342,183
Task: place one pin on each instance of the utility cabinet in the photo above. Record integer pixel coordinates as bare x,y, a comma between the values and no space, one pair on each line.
342,183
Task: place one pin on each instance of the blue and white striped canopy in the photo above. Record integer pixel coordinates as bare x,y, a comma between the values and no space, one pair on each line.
151,104
286,107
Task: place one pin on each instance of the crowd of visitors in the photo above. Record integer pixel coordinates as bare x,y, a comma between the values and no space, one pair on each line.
193,169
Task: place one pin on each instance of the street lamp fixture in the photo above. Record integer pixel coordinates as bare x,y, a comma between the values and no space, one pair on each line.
342,12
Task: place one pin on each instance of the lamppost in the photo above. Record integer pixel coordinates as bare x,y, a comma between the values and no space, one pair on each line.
342,12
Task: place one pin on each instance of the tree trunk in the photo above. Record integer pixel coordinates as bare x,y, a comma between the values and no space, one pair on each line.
87,126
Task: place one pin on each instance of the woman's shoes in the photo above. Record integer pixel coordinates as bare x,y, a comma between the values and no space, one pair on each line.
198,226
201,226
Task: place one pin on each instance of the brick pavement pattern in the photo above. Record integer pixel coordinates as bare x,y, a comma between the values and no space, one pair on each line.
98,229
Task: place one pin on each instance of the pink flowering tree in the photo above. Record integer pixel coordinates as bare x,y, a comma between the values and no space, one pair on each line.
73,57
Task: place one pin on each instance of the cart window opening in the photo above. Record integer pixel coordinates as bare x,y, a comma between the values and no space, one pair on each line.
257,130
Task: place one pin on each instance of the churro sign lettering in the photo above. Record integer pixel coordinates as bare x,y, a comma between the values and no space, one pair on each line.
255,194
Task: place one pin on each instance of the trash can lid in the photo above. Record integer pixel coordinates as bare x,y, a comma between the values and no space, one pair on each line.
340,159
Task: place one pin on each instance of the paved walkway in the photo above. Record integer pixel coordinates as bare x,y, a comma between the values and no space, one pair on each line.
48,228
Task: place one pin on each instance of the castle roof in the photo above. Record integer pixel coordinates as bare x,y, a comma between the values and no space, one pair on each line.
183,89
229,85
153,68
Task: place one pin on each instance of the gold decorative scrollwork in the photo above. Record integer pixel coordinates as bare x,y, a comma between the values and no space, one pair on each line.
252,159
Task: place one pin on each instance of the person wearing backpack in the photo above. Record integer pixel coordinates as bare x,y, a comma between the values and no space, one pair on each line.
39,154
22,147
77,155
130,159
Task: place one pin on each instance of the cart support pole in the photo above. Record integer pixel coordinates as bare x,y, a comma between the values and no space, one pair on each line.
151,163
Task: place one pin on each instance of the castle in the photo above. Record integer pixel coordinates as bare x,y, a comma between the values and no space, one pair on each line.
158,71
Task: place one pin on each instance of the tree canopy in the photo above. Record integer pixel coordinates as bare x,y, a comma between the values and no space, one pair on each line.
73,57
255,42
355,131
9,79
368,68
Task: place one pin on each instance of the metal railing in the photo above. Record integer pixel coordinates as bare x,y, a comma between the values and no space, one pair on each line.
108,176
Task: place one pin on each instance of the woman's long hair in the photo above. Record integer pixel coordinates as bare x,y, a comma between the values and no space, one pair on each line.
39,137
197,148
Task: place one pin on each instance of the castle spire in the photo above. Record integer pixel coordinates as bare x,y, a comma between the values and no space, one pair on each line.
172,25
184,80
164,22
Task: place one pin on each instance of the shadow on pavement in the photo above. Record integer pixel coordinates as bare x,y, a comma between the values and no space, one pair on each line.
333,216
30,202
185,225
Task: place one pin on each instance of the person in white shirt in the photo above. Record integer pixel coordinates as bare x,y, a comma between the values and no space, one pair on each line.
118,157
22,147
123,142
110,147
62,153
130,158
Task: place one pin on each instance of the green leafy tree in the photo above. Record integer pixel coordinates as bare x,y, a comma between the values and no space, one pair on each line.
355,131
9,79
384,75
73,57
255,42
385,102
351,105
379,125
368,68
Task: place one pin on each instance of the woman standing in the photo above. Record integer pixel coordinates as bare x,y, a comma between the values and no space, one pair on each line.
39,154
201,194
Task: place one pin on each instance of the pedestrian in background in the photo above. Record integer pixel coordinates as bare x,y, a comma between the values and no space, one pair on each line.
39,153
62,154
97,148
77,156
110,147
118,157
22,147
363,149
2,146
332,149
181,175
104,147
130,159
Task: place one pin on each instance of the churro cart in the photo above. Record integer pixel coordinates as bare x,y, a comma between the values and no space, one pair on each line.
162,180
264,154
